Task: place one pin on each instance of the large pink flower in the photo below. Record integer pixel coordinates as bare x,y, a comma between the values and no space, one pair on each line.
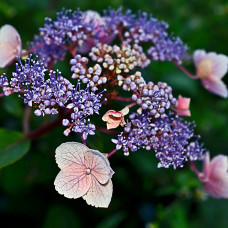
115,118
215,176
84,173
211,68
10,45
182,108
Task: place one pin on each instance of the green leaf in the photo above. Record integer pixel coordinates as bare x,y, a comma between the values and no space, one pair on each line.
12,146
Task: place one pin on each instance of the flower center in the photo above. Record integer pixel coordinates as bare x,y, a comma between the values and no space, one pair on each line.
204,68
88,171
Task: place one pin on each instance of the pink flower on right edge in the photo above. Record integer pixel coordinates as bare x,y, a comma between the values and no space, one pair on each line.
215,176
211,68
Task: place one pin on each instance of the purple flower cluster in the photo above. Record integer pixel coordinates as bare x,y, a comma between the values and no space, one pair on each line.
83,103
172,139
74,27
144,28
155,98
49,53
85,30
54,93
171,49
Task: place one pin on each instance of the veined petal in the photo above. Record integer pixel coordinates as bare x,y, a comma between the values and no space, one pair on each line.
70,153
72,182
99,165
99,195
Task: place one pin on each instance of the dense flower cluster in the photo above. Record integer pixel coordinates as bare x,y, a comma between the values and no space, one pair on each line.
83,103
70,26
85,30
172,139
54,93
155,98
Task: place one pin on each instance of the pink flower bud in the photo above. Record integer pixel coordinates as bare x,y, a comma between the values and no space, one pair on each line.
182,108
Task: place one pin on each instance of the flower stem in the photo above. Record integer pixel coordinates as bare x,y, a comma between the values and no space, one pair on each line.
195,169
131,105
122,98
111,153
83,140
34,48
185,70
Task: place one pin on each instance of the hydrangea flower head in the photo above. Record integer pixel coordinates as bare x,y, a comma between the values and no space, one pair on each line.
84,173
215,176
211,68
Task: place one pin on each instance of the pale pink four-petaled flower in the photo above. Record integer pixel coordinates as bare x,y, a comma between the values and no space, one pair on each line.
10,45
115,118
215,176
84,173
182,107
211,68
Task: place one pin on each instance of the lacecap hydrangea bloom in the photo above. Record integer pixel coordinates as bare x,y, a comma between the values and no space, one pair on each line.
109,52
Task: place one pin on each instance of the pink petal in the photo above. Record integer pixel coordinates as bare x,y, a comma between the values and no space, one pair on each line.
125,111
183,112
217,188
215,176
215,86
8,34
183,102
70,153
99,195
73,182
99,165
10,44
218,166
219,64
198,55
7,54
114,124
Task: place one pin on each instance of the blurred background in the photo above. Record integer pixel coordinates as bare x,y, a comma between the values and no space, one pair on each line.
144,196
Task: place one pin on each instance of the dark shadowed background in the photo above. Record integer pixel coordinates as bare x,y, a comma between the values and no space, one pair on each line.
144,196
